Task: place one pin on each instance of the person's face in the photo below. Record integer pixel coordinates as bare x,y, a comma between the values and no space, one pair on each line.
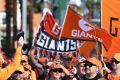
90,68
19,76
24,62
81,68
56,73
68,62
115,64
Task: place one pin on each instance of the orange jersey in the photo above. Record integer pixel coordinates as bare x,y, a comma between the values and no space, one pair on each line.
110,77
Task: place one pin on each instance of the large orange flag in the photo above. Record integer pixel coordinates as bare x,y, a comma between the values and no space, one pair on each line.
110,18
78,28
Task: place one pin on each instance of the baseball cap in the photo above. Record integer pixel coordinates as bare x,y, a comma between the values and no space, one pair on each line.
117,56
42,59
94,61
75,2
81,60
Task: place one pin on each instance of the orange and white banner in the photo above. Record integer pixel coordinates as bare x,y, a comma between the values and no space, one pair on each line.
47,36
110,18
78,28
50,24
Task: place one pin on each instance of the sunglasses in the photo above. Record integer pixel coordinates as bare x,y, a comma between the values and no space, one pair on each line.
23,61
57,70
18,72
68,59
46,67
89,65
115,61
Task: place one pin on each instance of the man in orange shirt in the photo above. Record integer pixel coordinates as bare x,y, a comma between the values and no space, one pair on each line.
115,74
6,72
92,66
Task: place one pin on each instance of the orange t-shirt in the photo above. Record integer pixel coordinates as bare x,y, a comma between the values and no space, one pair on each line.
110,77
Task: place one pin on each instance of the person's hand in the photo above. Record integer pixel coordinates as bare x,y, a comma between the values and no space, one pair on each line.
106,68
20,42
50,63
32,52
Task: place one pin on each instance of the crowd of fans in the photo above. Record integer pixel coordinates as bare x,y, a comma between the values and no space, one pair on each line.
30,66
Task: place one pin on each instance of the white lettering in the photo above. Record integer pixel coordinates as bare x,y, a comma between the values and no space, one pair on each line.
82,34
47,40
67,44
48,43
52,45
60,45
85,35
73,45
55,29
41,40
74,33
89,36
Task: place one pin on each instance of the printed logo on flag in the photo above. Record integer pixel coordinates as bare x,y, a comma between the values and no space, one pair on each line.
83,25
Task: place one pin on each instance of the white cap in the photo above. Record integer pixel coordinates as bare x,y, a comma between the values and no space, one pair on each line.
75,2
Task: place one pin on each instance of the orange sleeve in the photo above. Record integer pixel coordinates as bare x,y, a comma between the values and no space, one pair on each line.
110,77
6,72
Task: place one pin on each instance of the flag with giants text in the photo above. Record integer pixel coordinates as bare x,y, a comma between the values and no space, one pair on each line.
78,28
48,34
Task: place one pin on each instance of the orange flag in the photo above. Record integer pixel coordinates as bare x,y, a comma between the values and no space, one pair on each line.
88,49
78,28
115,48
110,20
